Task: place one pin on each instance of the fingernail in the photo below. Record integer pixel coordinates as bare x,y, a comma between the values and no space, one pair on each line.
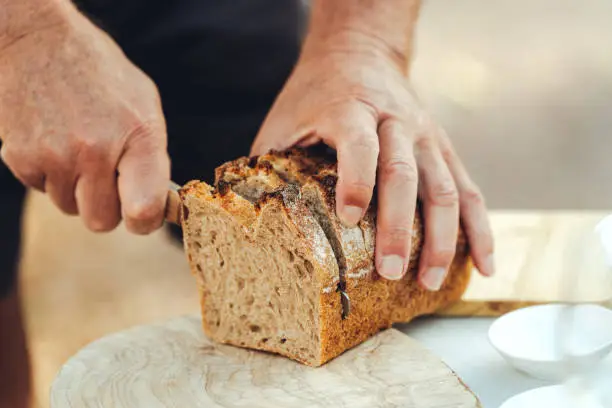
392,267
350,215
434,278
488,266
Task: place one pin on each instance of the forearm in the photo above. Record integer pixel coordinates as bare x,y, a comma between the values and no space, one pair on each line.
20,17
385,26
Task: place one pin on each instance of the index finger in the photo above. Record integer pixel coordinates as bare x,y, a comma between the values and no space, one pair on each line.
357,151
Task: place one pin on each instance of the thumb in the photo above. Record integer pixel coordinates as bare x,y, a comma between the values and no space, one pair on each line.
144,173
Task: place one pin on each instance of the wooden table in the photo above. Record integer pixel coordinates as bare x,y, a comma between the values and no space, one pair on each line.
534,251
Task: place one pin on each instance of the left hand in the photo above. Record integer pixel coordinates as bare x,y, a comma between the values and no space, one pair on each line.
360,104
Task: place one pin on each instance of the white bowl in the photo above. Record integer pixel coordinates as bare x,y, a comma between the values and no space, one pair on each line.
555,396
528,339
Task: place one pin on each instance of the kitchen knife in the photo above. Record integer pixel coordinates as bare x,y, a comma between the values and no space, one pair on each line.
173,204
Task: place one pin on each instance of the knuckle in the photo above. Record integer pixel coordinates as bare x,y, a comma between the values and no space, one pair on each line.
472,196
448,154
420,119
398,106
357,169
54,158
358,187
25,169
444,194
356,192
91,149
401,168
397,235
30,179
445,145
13,156
443,137
424,144
143,129
400,130
6,154
441,256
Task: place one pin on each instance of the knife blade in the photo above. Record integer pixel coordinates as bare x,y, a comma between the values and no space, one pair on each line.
173,204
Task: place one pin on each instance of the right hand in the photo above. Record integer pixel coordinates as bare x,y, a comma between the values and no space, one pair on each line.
361,104
80,122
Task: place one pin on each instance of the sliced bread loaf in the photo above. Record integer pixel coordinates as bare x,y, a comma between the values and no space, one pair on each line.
272,259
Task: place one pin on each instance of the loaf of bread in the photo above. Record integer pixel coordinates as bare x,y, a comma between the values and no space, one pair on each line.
273,262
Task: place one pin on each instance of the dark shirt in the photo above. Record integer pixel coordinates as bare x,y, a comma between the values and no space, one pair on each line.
235,47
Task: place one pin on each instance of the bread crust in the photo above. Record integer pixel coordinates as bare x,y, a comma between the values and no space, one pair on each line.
376,303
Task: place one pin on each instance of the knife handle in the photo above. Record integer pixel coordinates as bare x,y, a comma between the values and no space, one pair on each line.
173,204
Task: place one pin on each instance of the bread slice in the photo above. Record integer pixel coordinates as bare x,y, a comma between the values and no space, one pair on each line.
271,260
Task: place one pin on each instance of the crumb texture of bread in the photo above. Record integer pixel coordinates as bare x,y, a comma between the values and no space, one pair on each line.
259,271
270,257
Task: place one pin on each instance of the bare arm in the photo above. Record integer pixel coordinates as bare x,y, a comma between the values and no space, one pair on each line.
385,27
78,120
350,91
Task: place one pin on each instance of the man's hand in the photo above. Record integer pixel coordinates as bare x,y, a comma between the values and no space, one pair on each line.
350,91
80,122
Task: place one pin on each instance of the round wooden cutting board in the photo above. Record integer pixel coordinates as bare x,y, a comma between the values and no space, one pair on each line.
173,364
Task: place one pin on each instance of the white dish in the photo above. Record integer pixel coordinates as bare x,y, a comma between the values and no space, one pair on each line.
528,338
556,396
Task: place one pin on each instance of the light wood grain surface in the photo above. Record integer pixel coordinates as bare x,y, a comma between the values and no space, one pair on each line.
534,251
174,365
79,286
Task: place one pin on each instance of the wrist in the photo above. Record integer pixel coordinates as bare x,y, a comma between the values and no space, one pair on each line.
381,29
19,18
348,44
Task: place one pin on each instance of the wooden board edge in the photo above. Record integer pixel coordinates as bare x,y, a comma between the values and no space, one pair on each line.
484,308
497,308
